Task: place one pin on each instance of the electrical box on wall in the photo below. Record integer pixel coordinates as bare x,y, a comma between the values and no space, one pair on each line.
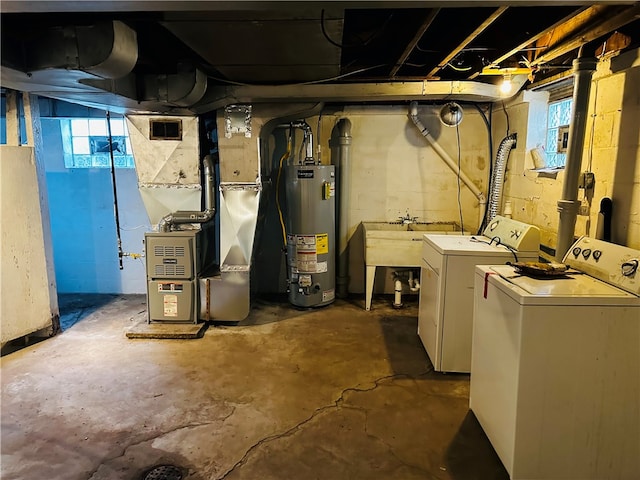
563,139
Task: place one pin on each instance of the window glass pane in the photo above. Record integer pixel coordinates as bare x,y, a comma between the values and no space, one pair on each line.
86,143
80,145
101,160
552,140
97,126
565,112
559,113
82,161
80,127
117,127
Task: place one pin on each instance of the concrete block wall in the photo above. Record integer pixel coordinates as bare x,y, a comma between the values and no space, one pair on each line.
611,152
395,171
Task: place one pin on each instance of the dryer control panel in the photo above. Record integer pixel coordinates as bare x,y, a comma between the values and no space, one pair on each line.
611,263
517,235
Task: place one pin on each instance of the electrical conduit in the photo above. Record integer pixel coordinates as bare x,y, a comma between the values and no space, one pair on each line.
482,200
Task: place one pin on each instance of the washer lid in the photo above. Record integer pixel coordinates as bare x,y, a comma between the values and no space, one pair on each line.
575,288
466,245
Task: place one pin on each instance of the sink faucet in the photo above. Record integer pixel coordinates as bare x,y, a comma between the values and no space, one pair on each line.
407,219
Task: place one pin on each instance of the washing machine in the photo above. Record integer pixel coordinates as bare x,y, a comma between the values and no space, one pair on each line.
555,371
445,312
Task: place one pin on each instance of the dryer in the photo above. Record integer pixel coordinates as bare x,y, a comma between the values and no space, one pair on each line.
446,294
555,362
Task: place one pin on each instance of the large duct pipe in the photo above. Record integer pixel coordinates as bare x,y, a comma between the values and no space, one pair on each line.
188,216
482,200
344,181
497,179
568,206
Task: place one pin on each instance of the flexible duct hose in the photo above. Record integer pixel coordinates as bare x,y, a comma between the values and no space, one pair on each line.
497,179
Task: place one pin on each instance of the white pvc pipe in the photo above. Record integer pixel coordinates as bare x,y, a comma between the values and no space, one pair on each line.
482,199
397,299
414,284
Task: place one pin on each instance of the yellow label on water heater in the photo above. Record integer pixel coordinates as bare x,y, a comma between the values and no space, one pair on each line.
322,243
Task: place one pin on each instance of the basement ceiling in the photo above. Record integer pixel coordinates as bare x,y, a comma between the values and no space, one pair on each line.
193,56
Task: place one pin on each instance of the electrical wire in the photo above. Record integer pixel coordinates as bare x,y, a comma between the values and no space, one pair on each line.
506,115
498,242
362,43
311,82
459,187
282,160
458,69
593,124
487,123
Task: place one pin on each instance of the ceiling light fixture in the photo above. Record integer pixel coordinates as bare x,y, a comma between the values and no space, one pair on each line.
451,114
505,86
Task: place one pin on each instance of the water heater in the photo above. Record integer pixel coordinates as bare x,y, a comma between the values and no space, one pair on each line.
310,194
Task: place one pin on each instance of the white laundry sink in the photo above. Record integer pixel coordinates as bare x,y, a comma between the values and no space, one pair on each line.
395,244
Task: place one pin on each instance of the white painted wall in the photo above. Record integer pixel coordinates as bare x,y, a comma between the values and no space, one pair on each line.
28,301
612,152
83,224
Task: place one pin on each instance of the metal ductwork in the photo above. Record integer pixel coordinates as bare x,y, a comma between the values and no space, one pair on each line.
182,89
107,49
499,171
218,97
568,206
186,216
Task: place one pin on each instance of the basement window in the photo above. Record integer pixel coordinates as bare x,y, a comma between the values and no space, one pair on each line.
86,143
558,119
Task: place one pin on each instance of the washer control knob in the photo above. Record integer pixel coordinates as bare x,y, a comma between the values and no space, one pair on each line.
629,268
576,251
586,253
597,254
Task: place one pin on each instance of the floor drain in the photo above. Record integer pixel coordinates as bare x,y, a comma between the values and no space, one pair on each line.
164,472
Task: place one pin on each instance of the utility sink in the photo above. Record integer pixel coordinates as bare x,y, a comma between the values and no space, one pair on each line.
395,244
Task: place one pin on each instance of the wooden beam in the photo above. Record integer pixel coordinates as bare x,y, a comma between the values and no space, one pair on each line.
414,41
490,19
532,39
589,34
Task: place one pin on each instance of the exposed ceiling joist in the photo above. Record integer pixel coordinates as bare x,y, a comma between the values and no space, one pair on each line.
590,33
492,18
414,41
528,42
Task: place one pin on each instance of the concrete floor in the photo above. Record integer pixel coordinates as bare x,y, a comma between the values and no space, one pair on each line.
333,393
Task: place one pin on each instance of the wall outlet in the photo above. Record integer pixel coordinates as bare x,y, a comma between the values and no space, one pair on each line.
587,181
584,209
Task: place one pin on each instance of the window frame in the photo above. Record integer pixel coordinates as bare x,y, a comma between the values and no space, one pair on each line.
82,138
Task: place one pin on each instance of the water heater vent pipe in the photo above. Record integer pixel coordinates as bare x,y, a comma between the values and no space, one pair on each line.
188,216
308,139
482,199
